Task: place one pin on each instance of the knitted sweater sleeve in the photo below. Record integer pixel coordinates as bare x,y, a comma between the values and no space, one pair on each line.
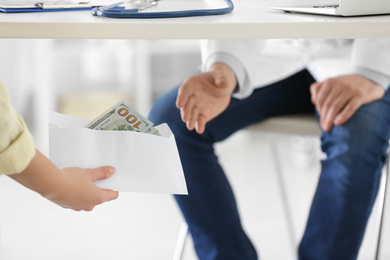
16,143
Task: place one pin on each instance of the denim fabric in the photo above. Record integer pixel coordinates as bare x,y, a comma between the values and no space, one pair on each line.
346,190
348,185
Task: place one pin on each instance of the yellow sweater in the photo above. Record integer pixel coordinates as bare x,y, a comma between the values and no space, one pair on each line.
16,143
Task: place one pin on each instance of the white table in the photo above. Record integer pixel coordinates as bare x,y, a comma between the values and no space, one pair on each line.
250,19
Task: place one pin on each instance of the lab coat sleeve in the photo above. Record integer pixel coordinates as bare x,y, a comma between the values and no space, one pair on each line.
371,59
16,143
239,55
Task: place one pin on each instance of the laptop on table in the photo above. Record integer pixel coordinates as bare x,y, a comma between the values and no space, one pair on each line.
342,8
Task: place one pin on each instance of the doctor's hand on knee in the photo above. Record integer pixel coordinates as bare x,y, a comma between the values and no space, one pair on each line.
204,96
337,99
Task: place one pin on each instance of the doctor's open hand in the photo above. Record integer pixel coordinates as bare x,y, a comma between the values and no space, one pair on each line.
71,188
204,96
337,99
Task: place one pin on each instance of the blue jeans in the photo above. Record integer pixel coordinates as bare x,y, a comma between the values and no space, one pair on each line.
346,191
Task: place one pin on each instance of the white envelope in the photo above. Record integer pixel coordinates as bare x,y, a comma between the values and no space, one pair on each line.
143,162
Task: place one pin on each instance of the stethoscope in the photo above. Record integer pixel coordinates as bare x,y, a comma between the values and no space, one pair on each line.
115,11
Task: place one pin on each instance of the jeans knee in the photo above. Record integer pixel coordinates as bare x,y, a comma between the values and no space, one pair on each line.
164,110
362,141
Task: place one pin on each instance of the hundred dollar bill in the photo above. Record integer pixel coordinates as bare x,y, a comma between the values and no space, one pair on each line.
122,117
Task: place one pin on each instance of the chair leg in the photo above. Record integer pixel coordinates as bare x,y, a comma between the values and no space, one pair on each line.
382,203
181,241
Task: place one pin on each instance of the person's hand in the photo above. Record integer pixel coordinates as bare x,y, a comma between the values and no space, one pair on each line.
204,96
77,191
71,188
337,99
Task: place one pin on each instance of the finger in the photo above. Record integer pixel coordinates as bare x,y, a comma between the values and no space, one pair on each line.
102,173
186,111
323,94
183,94
193,119
348,111
87,208
110,195
329,107
333,110
200,124
313,91
327,100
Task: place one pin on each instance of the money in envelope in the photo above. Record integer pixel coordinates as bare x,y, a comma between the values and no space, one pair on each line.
145,156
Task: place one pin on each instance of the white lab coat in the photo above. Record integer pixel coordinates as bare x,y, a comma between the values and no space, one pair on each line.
258,63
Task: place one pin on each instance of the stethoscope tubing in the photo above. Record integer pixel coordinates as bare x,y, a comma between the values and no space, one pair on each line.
134,13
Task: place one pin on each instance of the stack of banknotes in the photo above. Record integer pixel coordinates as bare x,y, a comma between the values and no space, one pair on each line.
122,117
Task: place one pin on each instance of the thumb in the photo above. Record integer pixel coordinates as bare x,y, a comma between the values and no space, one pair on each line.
110,194
102,173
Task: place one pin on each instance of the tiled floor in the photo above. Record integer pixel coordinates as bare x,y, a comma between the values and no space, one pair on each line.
146,226
259,196
135,226
255,182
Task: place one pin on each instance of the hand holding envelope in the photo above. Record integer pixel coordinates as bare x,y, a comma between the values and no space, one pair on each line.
146,159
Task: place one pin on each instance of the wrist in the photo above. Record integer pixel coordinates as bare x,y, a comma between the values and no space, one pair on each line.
41,175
